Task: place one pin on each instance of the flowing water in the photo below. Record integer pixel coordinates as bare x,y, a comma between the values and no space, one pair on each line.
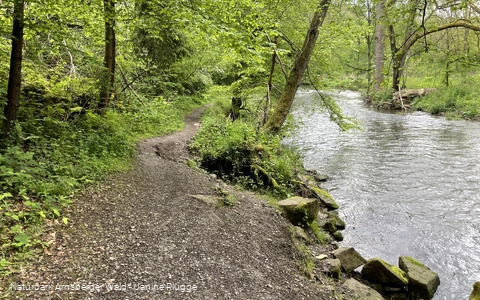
407,184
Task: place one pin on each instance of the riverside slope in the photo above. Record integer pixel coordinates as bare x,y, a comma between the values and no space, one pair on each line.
140,230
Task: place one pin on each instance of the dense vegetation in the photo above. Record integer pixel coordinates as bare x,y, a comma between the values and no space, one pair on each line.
82,81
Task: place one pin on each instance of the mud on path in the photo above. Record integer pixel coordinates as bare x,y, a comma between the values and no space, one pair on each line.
141,230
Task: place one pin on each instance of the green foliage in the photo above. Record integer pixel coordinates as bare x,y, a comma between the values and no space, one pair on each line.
52,158
227,198
461,101
238,152
322,236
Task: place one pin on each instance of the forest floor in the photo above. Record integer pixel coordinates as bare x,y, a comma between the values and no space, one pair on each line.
141,235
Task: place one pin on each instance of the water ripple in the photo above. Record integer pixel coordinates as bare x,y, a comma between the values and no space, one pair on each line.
408,184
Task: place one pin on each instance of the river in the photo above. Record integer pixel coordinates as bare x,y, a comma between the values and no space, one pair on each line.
407,184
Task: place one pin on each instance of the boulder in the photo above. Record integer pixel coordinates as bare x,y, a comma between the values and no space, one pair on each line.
378,271
361,291
422,282
330,222
324,198
349,258
329,267
300,211
476,291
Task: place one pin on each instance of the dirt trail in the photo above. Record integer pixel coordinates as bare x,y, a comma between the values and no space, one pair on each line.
141,230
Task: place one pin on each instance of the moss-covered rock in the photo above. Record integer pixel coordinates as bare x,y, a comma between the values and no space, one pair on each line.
422,282
329,267
379,271
324,198
337,235
300,211
475,295
339,223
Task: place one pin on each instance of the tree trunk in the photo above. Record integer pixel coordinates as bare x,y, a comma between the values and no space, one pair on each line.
107,85
270,83
379,50
15,75
276,120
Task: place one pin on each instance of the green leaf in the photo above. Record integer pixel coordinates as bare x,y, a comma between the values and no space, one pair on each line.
22,238
65,220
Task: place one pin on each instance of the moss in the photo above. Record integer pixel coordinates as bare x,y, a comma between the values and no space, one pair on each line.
324,197
322,237
476,291
399,272
415,262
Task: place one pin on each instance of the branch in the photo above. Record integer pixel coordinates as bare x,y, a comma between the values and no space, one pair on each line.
474,7
457,23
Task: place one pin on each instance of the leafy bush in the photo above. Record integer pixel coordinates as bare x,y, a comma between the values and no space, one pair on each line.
239,153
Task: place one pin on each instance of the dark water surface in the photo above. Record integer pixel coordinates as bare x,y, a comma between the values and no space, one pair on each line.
407,184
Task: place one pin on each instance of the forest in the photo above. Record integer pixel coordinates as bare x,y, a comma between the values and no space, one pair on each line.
82,82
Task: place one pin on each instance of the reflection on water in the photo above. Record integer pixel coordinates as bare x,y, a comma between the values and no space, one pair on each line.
407,184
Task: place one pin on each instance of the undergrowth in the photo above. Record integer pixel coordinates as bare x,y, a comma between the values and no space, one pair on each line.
462,101
49,157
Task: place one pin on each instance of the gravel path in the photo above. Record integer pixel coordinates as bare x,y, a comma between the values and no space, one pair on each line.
142,236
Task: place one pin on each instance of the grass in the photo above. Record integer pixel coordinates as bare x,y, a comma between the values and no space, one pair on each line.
457,102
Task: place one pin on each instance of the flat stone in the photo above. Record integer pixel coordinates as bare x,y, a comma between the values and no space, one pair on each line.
300,211
378,271
361,291
476,291
422,282
349,258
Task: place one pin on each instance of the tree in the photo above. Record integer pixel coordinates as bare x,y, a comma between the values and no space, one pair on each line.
379,51
107,84
276,120
15,74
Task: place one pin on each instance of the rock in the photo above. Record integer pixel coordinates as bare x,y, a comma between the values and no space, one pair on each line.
321,257
398,296
476,291
214,200
324,198
307,179
337,235
339,223
422,282
378,271
361,291
300,211
349,258
328,225
329,267
318,177
300,234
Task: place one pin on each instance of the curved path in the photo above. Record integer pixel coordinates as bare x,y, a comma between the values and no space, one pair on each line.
140,235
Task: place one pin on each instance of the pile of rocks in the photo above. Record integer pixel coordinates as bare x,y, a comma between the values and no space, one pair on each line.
409,280
378,279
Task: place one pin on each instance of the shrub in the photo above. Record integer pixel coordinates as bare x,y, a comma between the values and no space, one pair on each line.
240,153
